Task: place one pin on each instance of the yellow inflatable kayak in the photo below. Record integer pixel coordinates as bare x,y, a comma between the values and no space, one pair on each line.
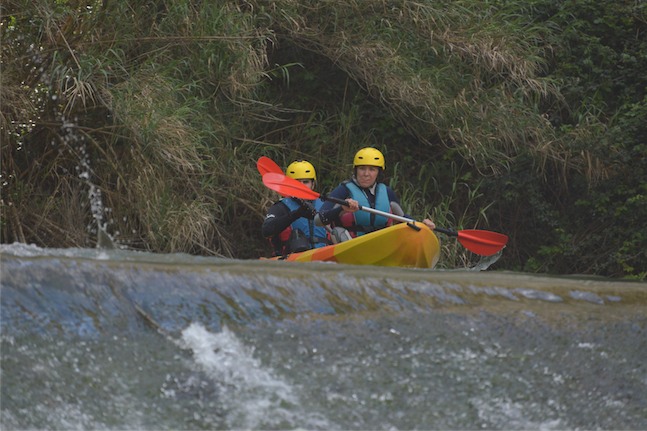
397,245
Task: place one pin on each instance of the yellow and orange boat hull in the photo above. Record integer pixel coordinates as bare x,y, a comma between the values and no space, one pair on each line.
397,245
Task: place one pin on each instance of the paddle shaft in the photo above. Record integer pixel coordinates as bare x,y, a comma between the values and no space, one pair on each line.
389,215
370,210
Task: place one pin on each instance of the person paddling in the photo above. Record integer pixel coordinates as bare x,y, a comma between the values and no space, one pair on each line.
289,223
365,188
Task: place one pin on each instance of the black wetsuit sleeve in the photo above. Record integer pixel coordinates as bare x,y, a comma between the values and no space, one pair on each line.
277,219
330,211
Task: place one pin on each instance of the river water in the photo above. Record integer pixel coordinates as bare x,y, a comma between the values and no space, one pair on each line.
117,340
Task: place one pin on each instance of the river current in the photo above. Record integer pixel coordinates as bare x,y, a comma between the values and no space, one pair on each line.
118,340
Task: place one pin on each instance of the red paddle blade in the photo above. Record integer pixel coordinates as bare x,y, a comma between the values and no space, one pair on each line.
266,165
287,186
482,242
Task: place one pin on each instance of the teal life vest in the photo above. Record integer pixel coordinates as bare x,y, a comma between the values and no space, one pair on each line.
317,235
365,222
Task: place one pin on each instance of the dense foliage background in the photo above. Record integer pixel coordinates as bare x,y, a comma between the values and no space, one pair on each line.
146,119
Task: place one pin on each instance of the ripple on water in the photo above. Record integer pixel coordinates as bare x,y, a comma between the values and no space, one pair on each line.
538,294
586,296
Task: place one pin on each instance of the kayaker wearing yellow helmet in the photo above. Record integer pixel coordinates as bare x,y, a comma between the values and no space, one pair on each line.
289,222
365,188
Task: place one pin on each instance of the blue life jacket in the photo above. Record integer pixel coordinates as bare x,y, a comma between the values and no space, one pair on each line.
365,222
318,235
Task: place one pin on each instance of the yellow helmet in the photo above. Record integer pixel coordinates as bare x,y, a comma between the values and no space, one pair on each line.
301,170
369,156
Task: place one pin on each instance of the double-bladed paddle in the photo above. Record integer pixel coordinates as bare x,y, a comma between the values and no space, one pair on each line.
481,242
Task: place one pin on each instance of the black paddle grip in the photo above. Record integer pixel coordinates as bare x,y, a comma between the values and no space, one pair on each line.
336,200
446,231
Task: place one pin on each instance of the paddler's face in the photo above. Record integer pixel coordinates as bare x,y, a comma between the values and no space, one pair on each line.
367,175
308,182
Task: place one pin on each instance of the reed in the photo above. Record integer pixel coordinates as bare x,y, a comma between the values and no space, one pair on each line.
458,79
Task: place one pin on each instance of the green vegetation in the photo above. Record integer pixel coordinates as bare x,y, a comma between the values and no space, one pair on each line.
522,117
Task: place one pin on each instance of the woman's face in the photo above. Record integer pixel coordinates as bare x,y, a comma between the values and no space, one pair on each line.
367,175
309,183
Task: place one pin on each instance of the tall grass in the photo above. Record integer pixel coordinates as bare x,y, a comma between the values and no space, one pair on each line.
453,73
134,91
